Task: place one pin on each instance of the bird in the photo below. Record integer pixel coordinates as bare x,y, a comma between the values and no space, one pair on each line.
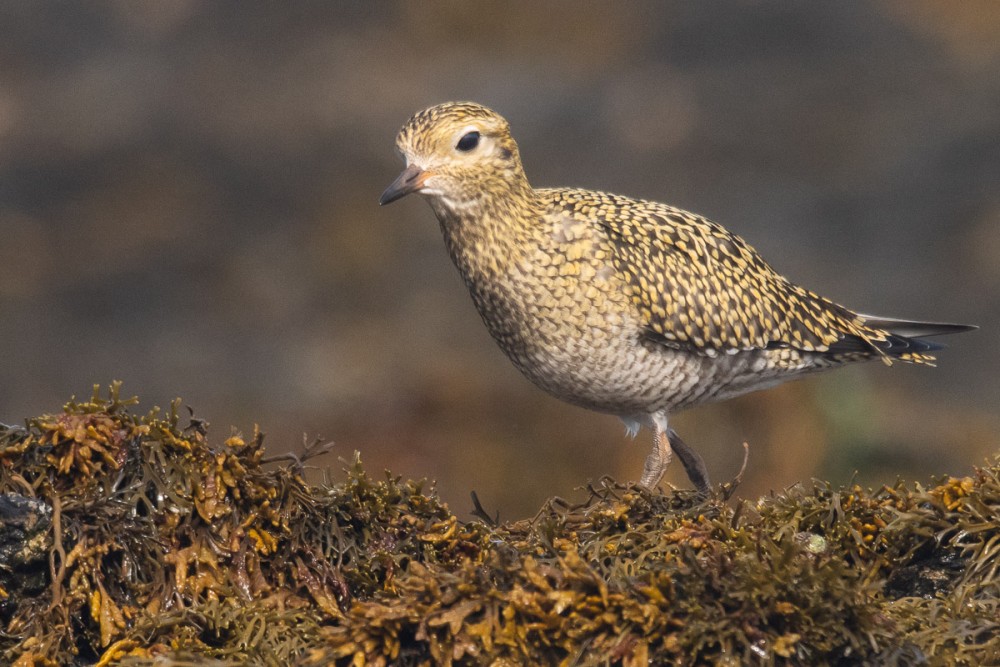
620,305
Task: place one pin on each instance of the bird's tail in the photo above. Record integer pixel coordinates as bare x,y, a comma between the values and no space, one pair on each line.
910,329
905,339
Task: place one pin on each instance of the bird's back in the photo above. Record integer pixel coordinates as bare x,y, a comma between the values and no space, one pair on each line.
700,288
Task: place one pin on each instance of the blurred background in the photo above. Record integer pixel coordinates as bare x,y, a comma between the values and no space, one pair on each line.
188,203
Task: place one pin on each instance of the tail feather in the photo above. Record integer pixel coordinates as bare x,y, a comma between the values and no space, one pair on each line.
911,329
904,339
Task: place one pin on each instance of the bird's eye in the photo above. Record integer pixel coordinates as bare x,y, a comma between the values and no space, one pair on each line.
468,141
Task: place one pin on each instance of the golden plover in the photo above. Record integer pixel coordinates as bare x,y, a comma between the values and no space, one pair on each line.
620,305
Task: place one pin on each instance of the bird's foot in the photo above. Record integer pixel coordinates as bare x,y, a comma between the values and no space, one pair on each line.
693,464
657,461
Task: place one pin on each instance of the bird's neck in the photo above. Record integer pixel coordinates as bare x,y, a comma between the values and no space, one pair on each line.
490,232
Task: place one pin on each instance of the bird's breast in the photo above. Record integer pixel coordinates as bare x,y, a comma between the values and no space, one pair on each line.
560,311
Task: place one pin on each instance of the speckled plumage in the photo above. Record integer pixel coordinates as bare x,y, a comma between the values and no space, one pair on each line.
621,305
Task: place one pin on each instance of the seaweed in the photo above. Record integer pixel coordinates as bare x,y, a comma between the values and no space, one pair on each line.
129,538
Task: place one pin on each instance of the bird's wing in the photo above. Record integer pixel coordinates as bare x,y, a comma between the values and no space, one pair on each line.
699,287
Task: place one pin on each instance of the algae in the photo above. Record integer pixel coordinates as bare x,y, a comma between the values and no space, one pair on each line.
129,538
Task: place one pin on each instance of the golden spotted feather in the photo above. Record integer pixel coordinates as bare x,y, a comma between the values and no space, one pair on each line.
700,288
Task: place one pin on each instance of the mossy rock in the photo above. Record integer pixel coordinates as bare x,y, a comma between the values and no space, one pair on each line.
129,539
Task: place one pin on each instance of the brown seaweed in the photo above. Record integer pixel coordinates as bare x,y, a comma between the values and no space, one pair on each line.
130,538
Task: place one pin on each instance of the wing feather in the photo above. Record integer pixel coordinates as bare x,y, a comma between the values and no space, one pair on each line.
699,287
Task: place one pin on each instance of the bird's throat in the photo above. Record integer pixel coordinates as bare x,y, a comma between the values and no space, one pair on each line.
485,237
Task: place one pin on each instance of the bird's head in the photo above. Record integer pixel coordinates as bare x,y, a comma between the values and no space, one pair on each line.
457,153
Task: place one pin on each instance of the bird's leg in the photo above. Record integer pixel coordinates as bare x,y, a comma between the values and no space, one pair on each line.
695,467
657,461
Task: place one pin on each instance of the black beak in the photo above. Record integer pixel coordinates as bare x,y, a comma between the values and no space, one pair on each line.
411,180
